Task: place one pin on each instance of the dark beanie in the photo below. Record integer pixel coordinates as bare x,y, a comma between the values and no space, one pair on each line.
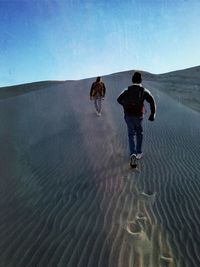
137,78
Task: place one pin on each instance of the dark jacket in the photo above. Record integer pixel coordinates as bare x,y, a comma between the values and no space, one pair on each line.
129,93
98,89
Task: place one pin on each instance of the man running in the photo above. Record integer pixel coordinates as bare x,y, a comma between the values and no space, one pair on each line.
132,100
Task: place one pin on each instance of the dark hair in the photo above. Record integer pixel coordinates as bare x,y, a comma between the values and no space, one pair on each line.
98,79
137,78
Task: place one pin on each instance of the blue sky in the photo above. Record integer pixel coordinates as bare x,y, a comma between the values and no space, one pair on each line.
75,39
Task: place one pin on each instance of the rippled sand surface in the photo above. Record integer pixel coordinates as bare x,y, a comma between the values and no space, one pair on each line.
68,196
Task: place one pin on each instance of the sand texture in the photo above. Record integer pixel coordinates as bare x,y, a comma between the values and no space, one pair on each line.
68,196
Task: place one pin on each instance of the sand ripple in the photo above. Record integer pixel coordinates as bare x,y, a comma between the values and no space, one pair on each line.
69,198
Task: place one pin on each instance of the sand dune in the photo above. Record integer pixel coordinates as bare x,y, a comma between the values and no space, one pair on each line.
68,196
184,86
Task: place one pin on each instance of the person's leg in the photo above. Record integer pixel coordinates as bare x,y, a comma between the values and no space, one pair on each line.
96,104
99,105
130,121
139,135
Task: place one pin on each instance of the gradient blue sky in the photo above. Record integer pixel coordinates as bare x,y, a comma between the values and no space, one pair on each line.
75,39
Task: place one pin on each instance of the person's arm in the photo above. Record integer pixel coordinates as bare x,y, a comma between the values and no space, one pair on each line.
91,91
149,98
104,90
120,98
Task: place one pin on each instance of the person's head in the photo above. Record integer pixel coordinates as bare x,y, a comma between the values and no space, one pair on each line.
137,78
99,79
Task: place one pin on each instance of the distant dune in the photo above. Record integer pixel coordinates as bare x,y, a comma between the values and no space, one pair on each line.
10,91
182,85
67,194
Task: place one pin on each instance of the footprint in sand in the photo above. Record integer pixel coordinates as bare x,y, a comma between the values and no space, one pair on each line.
166,260
139,219
138,238
148,196
142,220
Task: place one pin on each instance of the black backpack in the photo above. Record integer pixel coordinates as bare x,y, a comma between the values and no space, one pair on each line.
133,100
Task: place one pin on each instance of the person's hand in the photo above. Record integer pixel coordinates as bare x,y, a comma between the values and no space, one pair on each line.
152,117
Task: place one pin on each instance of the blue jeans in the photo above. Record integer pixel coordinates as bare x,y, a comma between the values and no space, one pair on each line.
97,104
135,133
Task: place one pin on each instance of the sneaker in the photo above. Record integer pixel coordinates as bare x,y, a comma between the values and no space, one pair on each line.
98,113
139,155
133,161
